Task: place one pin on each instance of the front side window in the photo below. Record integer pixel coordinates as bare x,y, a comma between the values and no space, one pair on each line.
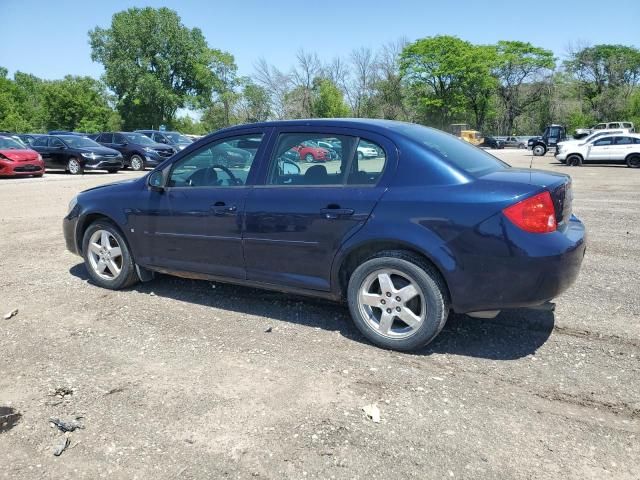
106,138
315,159
218,164
624,140
603,142
40,142
56,142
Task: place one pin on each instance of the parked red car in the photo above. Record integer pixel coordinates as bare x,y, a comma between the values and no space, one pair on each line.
18,160
312,153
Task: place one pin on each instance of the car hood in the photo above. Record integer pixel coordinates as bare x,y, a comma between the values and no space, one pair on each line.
99,150
20,155
120,184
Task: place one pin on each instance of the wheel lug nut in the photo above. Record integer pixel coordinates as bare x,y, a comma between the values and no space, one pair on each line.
397,309
398,299
383,302
388,294
388,310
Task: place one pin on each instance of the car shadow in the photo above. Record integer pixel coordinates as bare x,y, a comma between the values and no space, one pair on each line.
511,335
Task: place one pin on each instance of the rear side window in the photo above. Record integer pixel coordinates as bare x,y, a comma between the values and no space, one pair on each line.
459,153
314,159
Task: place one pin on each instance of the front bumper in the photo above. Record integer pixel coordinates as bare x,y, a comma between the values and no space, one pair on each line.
15,169
562,156
534,269
104,163
69,224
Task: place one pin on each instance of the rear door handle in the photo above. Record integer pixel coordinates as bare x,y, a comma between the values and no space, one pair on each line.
333,213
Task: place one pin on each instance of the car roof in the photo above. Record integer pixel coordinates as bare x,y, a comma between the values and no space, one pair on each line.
372,124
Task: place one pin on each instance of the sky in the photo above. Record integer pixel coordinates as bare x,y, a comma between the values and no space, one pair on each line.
49,38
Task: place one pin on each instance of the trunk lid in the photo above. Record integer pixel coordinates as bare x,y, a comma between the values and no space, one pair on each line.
558,185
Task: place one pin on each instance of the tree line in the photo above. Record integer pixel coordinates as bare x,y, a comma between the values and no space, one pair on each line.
155,68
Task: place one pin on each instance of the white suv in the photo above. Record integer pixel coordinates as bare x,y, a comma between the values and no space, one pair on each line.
628,127
611,148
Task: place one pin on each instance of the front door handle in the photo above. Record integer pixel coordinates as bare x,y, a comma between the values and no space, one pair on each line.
333,213
221,208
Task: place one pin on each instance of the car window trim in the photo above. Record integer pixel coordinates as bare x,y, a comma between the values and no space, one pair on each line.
314,130
266,134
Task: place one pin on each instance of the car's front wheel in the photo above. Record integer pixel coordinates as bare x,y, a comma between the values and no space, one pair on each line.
397,301
74,167
107,256
137,163
574,160
309,158
539,150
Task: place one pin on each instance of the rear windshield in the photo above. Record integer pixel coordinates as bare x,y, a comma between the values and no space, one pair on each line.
461,154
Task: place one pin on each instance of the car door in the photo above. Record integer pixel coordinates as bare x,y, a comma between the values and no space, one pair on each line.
621,148
197,224
299,213
600,150
41,145
58,153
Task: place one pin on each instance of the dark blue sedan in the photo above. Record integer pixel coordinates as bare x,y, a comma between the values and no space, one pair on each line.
428,225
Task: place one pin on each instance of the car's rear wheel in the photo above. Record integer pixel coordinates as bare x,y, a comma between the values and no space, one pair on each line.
521,146
309,158
113,171
397,301
360,155
107,256
633,161
74,167
574,160
539,150
137,163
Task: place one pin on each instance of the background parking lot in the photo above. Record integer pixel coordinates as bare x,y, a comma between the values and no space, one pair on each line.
188,379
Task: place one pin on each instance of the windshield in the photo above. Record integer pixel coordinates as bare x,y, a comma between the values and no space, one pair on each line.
7,143
459,153
177,137
599,134
79,142
139,138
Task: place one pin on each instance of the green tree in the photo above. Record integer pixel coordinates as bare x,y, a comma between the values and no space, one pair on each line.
255,103
521,70
76,103
436,71
154,64
327,100
607,76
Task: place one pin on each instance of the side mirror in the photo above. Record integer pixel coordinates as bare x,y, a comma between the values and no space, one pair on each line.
156,181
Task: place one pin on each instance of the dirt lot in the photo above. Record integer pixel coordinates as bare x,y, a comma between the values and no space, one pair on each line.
181,379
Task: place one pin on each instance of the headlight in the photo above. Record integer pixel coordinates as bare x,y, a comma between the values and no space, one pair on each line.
39,157
89,155
72,204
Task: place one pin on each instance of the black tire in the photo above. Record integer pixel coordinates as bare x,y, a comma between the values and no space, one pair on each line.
360,156
137,163
539,150
309,158
128,275
633,161
422,274
574,161
74,166
521,146
113,171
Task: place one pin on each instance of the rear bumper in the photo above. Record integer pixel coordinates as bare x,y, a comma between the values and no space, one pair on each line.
536,269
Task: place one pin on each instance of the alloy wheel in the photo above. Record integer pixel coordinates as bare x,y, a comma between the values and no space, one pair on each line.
137,163
74,166
105,255
392,303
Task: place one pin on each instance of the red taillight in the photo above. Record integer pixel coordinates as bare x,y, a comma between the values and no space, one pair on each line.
535,214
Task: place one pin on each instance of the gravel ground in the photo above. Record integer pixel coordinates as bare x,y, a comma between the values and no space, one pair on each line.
189,379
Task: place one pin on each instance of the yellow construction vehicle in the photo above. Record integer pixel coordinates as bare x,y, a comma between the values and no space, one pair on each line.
461,130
